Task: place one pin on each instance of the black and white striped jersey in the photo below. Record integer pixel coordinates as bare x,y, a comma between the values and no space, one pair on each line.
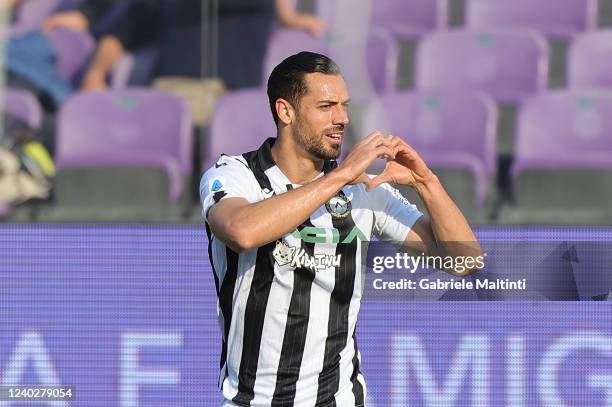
288,310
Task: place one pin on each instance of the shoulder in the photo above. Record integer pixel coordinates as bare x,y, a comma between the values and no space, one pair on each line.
227,168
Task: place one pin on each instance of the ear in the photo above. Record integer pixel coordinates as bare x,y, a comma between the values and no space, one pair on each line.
284,111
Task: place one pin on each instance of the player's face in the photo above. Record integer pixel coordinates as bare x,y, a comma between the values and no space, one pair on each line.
322,116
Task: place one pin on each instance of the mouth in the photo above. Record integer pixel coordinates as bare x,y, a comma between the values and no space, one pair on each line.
335,137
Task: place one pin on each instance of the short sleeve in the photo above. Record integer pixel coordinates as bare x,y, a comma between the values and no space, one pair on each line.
394,215
228,178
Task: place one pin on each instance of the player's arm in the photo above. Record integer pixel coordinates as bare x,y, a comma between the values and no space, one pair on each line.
243,226
445,232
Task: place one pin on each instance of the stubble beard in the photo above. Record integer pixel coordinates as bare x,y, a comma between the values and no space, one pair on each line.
314,144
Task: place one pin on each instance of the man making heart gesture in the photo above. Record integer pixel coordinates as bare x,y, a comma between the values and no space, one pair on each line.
288,229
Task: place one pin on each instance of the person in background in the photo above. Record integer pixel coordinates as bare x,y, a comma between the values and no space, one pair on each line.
176,29
31,60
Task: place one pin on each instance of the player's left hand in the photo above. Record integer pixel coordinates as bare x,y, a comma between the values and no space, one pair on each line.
407,168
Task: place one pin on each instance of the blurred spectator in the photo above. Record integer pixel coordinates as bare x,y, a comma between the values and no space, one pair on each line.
175,28
32,59
250,23
138,25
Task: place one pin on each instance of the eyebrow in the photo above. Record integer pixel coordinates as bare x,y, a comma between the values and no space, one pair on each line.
334,102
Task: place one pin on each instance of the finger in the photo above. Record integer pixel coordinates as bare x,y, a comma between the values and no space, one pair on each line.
373,143
387,140
371,136
376,181
407,151
362,179
383,151
381,141
406,147
396,141
377,139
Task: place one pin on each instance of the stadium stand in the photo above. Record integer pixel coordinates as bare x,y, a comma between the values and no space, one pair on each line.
562,167
590,60
73,50
129,149
237,118
455,132
31,14
409,19
24,105
508,65
284,42
382,54
556,19
382,59
509,50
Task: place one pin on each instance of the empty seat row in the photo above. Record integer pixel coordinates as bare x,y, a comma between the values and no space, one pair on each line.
134,147
560,132
507,64
413,18
408,19
117,150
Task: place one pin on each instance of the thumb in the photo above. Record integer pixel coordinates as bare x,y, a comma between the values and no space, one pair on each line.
362,179
376,181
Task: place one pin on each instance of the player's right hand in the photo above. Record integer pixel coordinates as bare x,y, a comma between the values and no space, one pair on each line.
376,146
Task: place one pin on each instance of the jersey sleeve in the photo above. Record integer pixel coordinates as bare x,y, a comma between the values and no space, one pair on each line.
394,215
228,178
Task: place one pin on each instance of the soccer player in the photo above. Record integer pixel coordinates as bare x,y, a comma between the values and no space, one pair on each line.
288,230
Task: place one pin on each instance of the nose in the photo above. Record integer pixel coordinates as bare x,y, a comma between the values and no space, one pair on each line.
340,115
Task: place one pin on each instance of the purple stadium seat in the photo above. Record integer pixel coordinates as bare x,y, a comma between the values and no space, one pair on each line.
383,55
130,128
452,130
241,122
409,18
284,43
73,49
562,168
508,65
589,62
565,129
556,19
24,105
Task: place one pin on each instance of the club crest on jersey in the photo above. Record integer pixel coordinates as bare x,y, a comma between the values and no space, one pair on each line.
339,206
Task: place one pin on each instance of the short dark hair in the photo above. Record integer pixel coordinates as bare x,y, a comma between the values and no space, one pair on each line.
287,79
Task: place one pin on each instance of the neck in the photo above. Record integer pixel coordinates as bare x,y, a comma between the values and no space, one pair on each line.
296,163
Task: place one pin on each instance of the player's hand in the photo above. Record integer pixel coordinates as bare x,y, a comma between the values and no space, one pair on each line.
373,147
72,20
405,168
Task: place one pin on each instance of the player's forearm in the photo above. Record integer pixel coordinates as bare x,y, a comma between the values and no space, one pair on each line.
451,230
265,221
